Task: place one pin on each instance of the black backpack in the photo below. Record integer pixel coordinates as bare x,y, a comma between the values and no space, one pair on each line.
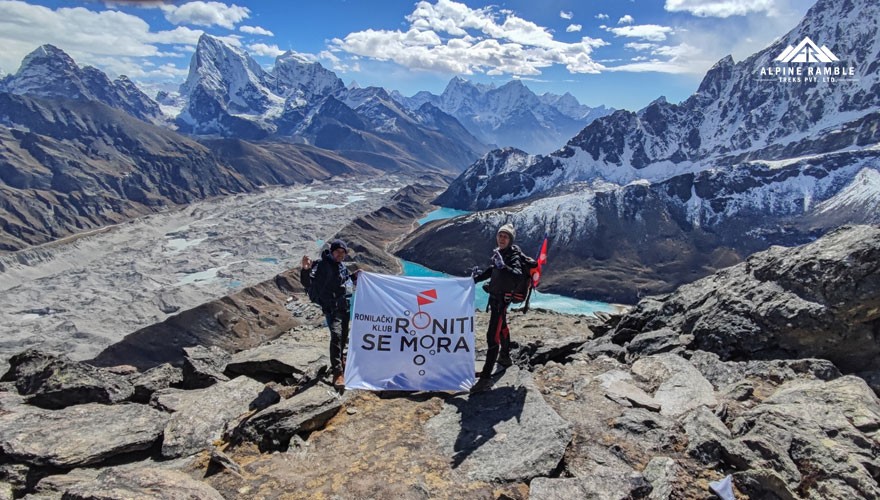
316,284
523,286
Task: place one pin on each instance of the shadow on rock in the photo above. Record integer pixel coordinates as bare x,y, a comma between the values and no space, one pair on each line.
480,413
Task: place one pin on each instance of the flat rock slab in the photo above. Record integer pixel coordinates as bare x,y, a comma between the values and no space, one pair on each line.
79,435
604,484
506,433
202,414
630,395
142,484
284,356
680,386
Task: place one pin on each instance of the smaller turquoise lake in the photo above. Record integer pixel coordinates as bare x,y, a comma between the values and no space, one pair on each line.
558,303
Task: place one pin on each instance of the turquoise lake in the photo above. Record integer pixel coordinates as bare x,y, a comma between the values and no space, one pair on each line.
549,301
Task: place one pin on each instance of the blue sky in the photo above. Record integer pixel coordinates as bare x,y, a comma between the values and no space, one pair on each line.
619,53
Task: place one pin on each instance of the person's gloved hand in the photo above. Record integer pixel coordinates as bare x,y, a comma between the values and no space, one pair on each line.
497,259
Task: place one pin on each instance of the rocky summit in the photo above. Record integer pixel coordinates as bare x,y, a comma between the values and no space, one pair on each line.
761,378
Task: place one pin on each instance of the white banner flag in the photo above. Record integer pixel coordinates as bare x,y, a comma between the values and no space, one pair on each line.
411,333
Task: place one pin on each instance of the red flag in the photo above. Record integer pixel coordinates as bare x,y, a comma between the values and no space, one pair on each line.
542,259
426,297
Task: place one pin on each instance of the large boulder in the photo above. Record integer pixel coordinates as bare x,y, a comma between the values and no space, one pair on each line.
201,415
820,300
283,357
79,435
273,427
56,382
817,438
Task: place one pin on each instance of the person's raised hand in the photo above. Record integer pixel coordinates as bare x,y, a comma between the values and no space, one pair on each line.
497,259
306,262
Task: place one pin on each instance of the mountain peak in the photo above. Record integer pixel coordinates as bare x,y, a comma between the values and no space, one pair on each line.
294,72
50,56
291,55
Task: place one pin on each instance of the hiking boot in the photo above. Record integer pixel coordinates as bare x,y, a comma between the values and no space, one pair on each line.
505,361
483,383
339,380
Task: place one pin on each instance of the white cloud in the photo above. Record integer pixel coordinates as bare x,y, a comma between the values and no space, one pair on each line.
652,32
98,38
261,49
138,70
451,37
601,16
566,15
640,46
255,30
653,66
627,19
206,14
679,59
721,8
573,27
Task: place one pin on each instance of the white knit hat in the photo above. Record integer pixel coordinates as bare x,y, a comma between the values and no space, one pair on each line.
508,228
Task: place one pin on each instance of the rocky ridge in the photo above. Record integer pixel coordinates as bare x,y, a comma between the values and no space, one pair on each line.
49,73
69,166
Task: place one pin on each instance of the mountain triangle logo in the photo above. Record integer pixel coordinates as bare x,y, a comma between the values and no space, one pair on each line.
807,52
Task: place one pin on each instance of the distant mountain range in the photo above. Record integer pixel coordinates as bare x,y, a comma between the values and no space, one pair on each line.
82,151
640,202
511,115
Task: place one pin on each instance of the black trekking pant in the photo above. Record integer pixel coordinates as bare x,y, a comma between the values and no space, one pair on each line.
337,321
497,335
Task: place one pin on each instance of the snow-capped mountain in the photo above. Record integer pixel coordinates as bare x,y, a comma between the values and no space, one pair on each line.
511,115
738,113
639,203
48,72
569,106
294,72
618,243
228,94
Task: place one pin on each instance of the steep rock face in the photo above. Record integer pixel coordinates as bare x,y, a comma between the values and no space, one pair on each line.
224,82
48,72
69,166
737,114
817,300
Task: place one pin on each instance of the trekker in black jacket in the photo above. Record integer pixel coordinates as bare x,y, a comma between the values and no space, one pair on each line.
330,276
506,267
